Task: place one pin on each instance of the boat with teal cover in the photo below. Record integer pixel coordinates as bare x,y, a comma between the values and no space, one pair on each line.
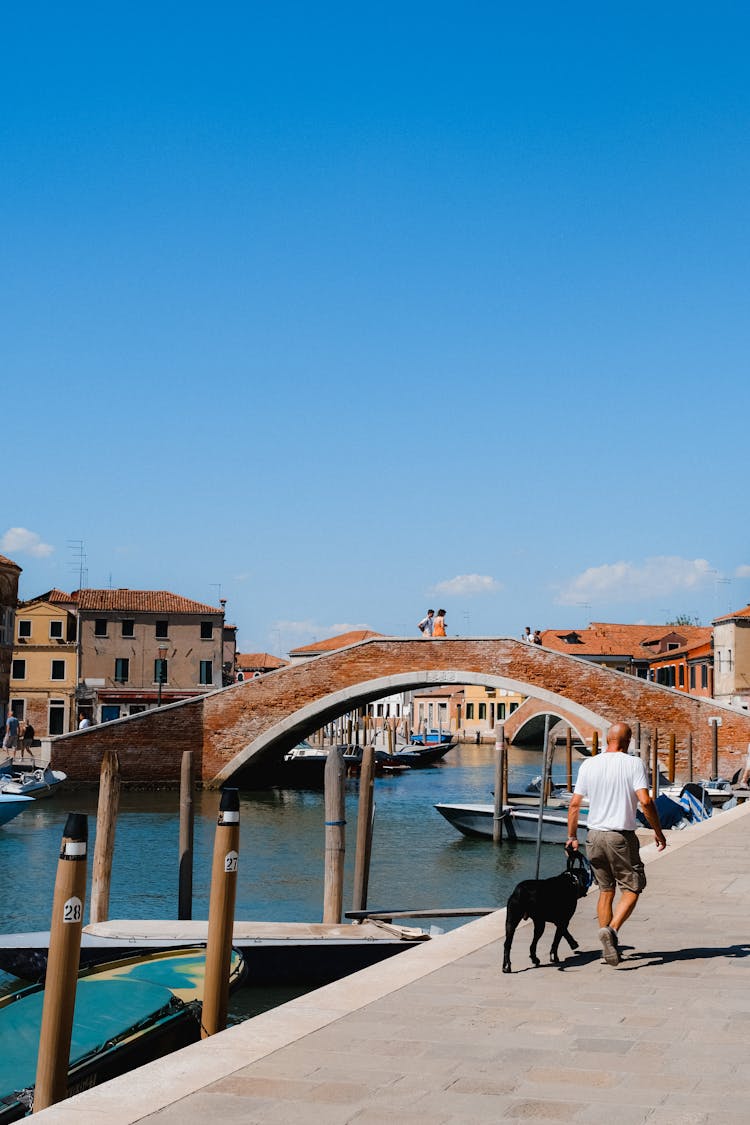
126,1014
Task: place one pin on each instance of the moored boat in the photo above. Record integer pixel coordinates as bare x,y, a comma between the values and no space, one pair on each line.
126,1014
430,737
30,781
11,805
520,822
274,952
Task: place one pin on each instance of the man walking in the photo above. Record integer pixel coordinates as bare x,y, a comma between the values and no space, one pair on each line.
427,623
615,784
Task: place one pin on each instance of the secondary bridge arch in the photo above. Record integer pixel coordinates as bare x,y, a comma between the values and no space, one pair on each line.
233,727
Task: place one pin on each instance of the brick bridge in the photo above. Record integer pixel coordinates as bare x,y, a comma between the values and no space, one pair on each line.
234,730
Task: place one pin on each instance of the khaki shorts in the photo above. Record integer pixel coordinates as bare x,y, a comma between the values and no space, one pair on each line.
616,859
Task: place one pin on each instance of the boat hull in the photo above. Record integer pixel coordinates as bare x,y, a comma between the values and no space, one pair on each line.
11,805
520,823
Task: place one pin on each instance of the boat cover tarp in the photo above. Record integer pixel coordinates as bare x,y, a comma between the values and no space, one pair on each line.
104,1010
671,814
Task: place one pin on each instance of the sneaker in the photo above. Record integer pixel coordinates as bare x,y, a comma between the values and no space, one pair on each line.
608,938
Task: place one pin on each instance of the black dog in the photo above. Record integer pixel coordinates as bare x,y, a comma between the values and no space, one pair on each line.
547,900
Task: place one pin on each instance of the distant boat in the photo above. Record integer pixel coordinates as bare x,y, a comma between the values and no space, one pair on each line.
420,755
430,737
126,1014
520,822
30,781
11,805
274,952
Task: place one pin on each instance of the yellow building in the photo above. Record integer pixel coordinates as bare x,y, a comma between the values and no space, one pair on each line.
44,666
482,708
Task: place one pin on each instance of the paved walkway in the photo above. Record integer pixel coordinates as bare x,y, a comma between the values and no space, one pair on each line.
438,1034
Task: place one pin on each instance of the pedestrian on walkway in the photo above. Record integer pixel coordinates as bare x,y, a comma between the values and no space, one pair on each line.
615,784
27,742
426,624
10,739
527,635
438,628
537,638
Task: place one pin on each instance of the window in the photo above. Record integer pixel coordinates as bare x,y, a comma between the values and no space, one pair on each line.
160,671
681,674
692,677
162,628
24,629
207,672
469,710
122,670
207,630
501,710
58,670
18,708
57,716
482,710
128,628
704,675
56,630
18,670
100,627
513,707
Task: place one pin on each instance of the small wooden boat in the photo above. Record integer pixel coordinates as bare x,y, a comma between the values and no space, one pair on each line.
274,952
11,805
520,822
126,1014
30,781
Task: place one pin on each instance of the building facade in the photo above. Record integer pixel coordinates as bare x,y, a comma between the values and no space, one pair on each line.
732,659
145,648
44,669
9,575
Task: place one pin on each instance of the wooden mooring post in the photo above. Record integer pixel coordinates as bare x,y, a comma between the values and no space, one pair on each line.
187,821
569,759
221,914
655,763
714,747
364,829
104,845
62,965
671,754
335,837
594,743
498,812
690,755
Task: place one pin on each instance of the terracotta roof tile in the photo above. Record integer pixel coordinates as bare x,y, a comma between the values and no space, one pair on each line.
731,616
250,661
331,644
604,639
9,562
140,601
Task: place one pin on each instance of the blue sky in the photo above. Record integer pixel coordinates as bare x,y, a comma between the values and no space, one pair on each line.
339,312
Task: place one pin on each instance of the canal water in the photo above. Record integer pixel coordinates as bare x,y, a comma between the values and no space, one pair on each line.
418,859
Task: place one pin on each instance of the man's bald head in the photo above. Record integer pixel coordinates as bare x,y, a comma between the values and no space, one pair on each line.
618,737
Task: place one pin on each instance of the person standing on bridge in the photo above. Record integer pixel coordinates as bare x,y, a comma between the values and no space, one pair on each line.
438,629
615,783
425,626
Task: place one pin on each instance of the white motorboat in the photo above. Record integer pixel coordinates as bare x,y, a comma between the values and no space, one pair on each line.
19,780
520,822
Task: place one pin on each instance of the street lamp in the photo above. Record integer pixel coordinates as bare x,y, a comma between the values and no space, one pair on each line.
161,678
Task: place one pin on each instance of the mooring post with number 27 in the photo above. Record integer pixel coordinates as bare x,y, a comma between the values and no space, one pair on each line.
221,914
62,966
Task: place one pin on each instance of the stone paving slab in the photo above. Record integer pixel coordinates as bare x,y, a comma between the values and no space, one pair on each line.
440,1034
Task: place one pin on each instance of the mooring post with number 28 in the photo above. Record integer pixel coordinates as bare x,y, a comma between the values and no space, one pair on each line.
221,914
62,966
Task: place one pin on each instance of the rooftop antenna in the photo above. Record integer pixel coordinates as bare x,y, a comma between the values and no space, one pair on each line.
79,561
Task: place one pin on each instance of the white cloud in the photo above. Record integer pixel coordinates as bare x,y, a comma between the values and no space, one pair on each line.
627,581
467,585
20,541
742,571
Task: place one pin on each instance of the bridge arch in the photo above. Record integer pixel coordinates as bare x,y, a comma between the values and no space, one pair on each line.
227,728
277,739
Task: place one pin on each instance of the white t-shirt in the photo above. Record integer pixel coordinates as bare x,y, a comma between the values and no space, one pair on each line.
610,781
